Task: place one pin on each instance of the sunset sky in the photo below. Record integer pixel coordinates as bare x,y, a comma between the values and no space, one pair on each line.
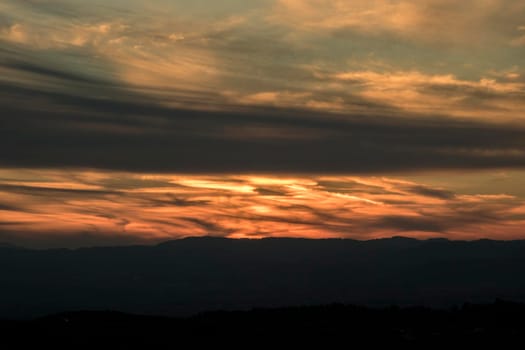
127,121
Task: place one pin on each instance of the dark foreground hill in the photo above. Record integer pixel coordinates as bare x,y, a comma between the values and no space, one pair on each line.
495,325
187,276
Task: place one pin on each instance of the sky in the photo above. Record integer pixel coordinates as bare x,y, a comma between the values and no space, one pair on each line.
126,122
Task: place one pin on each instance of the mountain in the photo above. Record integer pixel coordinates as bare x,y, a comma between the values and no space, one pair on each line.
7,245
191,275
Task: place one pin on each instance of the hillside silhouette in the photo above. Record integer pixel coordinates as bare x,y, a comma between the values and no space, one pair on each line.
497,324
184,277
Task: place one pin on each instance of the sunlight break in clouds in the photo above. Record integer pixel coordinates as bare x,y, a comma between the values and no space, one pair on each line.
63,208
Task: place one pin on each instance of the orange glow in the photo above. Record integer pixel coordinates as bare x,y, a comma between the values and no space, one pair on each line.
148,207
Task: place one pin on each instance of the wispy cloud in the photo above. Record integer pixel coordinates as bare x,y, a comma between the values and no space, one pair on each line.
159,207
468,22
219,56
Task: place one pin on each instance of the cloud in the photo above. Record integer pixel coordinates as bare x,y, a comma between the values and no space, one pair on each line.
48,72
433,192
137,41
94,35
178,87
411,224
414,91
219,57
140,91
435,21
367,16
520,41
82,208
130,132
6,207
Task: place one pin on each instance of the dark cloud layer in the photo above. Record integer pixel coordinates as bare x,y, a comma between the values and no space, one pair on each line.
228,88
129,131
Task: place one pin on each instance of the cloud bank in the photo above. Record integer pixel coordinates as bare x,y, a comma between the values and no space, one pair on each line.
266,86
59,208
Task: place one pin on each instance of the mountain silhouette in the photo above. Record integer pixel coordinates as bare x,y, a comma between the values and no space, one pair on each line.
498,325
192,275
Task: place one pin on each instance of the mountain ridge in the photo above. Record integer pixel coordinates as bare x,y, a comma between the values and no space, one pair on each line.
7,245
201,274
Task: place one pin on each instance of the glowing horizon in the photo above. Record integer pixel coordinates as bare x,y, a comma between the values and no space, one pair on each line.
77,208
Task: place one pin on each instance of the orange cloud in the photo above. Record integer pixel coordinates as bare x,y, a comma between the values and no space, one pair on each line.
160,207
441,21
444,94
279,54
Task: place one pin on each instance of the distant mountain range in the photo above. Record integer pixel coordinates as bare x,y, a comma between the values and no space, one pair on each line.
191,275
